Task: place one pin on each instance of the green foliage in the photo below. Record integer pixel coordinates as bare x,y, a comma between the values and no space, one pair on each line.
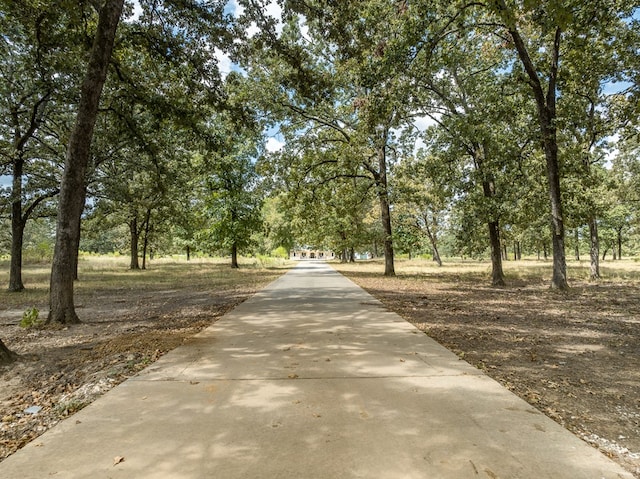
280,252
30,318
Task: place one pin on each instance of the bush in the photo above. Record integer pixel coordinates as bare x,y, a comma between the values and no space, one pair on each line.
30,318
280,252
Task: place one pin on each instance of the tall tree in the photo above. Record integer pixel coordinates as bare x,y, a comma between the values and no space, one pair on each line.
73,186
233,198
31,52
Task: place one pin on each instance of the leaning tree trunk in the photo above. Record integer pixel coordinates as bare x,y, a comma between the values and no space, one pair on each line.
71,204
6,355
433,240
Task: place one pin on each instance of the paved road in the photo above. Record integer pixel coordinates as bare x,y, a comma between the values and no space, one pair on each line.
310,378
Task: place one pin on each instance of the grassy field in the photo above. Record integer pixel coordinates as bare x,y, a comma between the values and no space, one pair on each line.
530,271
112,273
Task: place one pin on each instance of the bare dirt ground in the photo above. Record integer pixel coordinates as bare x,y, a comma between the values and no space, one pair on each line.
575,355
128,322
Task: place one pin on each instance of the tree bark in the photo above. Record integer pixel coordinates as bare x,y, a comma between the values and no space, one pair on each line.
489,191
6,355
71,204
619,238
188,253
546,106
18,219
594,249
433,240
134,240
497,274
234,256
17,226
76,250
383,197
145,241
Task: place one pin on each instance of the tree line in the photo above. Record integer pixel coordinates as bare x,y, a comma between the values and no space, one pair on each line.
118,121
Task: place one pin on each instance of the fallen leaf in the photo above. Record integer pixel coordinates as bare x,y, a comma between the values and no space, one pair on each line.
117,460
293,376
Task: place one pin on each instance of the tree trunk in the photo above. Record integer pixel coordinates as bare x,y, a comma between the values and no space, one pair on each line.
604,253
6,355
619,237
145,241
352,255
61,306
76,251
433,240
17,227
489,191
188,253
18,219
383,197
559,279
576,249
497,274
546,106
134,239
234,256
594,248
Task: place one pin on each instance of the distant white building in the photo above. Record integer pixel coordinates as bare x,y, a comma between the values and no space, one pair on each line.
305,253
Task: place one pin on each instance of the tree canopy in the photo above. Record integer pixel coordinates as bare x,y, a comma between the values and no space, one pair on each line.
435,128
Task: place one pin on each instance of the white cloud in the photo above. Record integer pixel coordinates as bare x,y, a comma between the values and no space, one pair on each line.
304,28
224,62
273,145
137,11
271,10
274,10
424,122
235,8
252,30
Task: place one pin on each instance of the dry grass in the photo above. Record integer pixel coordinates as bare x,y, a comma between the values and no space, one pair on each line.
112,273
